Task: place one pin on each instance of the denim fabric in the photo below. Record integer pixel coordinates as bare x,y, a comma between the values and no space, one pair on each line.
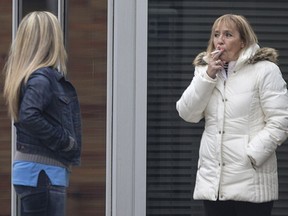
49,121
43,200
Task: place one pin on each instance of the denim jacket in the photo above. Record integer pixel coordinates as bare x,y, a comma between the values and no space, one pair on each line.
49,119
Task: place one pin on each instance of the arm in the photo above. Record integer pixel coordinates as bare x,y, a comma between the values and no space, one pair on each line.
195,98
274,103
38,95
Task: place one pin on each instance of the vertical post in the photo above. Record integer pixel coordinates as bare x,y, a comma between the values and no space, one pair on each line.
109,105
141,53
15,18
126,108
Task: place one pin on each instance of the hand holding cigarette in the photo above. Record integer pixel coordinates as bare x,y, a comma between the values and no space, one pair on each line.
215,64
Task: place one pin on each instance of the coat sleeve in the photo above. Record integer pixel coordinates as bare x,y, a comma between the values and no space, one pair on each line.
274,103
195,98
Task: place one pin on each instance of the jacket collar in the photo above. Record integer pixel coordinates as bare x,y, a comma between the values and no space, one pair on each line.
245,55
251,55
59,75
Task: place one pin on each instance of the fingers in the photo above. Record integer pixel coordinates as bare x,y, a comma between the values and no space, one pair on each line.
215,64
215,57
216,54
214,67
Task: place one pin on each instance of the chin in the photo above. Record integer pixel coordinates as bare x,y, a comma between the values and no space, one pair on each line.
224,59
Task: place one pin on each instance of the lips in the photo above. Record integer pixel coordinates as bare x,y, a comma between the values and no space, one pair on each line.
219,47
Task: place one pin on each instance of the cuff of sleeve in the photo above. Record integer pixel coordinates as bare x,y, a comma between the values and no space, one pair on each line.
207,77
258,158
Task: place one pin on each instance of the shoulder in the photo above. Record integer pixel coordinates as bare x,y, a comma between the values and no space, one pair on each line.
264,54
199,60
41,76
269,75
45,74
48,72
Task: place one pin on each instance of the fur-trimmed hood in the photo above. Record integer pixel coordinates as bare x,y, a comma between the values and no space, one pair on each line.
250,57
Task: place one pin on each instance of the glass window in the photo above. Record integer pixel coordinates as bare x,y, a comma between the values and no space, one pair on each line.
85,28
178,31
86,47
5,130
27,6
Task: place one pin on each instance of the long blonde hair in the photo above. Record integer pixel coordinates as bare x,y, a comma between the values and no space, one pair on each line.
244,28
38,43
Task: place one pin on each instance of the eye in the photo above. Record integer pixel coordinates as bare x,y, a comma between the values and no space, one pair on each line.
228,34
216,34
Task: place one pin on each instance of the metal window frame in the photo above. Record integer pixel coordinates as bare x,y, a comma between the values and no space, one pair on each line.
126,108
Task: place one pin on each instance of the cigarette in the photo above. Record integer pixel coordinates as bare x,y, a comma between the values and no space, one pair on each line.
216,51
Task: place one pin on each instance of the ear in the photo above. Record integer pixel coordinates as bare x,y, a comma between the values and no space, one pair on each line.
242,44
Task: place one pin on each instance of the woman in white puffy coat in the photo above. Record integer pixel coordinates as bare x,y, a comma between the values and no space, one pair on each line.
239,90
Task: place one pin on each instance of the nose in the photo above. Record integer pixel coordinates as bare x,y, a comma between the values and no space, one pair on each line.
219,42
220,39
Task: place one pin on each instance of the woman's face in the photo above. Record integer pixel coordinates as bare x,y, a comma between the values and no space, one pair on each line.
227,38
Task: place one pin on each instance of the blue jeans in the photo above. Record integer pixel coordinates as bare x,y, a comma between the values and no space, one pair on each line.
43,200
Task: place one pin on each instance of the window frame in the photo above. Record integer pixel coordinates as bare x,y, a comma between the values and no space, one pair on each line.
126,108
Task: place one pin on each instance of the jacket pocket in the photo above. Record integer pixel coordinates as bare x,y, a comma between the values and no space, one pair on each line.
64,99
234,152
70,117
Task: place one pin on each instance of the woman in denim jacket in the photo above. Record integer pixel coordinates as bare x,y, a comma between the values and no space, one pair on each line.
45,109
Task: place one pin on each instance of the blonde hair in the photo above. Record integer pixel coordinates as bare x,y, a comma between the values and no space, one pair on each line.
38,43
245,30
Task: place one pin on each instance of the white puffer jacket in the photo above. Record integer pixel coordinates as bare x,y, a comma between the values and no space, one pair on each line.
246,118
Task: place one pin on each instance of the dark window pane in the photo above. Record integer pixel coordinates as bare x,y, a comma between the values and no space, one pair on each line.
177,32
38,5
